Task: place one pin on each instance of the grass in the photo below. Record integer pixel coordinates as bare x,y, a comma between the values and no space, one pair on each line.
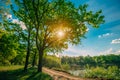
16,73
9,68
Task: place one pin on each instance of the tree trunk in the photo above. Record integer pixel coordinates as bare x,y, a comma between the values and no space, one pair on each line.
34,59
40,61
28,53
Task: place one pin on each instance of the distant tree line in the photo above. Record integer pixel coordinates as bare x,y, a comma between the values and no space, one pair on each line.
101,61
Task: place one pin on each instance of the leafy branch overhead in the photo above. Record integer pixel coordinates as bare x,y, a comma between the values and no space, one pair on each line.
56,23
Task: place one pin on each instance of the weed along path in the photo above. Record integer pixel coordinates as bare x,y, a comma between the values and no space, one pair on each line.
57,75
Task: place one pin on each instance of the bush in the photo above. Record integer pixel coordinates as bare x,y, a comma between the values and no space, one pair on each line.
111,72
51,62
65,66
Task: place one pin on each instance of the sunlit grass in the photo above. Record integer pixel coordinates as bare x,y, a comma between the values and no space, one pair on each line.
17,73
8,68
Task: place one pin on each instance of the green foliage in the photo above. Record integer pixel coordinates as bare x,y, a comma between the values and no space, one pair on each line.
100,67
12,47
97,72
65,66
8,46
51,61
19,59
40,76
102,61
112,72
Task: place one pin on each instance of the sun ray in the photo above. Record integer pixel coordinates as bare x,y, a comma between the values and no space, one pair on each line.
60,33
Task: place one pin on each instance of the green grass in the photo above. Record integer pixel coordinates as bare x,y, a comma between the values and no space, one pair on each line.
16,73
9,68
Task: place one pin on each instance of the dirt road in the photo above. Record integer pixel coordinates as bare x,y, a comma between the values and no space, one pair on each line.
57,75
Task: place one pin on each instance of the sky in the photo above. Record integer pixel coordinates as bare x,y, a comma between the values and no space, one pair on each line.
99,41
103,40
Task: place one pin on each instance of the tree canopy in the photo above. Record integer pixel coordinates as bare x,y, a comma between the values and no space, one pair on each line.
52,24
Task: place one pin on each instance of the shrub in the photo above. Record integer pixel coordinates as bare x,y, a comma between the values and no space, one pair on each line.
51,62
65,66
111,72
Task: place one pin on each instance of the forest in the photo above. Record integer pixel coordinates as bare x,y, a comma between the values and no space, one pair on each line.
30,30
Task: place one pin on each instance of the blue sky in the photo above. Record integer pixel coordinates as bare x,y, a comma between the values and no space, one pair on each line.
104,40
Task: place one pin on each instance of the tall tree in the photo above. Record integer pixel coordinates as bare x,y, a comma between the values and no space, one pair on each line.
23,16
57,23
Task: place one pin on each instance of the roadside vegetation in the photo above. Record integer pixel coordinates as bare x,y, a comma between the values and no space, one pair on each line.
101,67
110,73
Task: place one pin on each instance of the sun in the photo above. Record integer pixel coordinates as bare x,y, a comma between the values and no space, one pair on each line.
60,33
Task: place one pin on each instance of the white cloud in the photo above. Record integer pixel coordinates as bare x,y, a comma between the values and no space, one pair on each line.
9,16
22,25
16,21
116,41
105,35
117,52
106,52
87,29
110,51
78,51
75,51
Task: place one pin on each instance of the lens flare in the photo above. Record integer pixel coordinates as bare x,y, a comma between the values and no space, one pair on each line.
60,33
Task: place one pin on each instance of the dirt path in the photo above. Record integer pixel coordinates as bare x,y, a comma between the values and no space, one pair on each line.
57,75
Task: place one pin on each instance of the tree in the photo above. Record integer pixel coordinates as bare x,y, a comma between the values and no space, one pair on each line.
15,32
33,55
8,46
22,15
11,43
57,23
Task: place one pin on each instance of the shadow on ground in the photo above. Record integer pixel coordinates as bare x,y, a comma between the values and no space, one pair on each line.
19,74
